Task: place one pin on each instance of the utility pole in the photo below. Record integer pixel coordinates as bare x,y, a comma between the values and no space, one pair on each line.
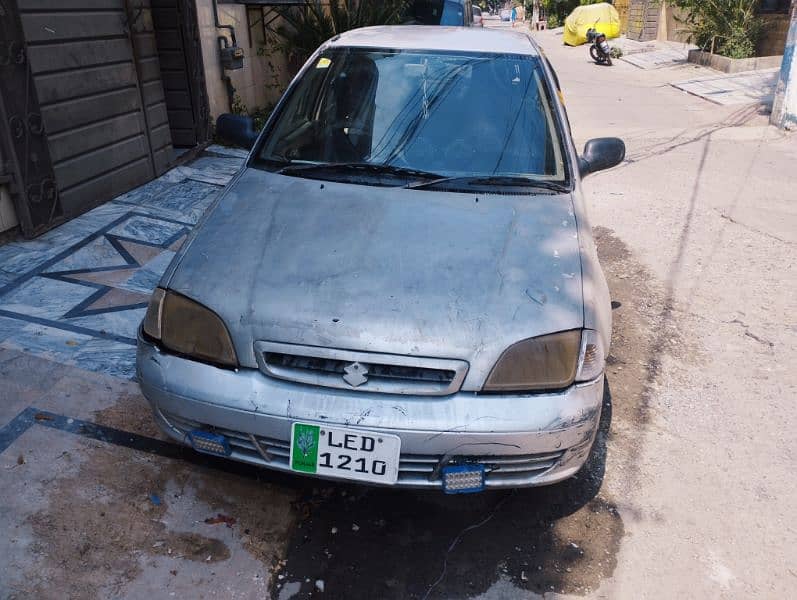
784,108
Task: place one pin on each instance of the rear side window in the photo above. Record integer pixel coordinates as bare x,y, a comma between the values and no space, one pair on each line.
439,12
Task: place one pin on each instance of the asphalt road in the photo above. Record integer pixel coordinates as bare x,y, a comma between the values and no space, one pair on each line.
687,493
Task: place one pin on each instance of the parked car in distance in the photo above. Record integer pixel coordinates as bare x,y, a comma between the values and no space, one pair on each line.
441,12
506,14
397,288
478,20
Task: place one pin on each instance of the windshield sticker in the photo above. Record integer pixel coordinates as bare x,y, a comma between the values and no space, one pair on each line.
323,63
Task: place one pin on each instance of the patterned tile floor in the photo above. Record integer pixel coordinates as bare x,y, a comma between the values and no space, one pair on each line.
77,294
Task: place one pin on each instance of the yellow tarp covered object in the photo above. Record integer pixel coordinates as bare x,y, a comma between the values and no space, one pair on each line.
602,17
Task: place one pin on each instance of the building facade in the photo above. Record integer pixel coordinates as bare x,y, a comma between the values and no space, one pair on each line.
100,96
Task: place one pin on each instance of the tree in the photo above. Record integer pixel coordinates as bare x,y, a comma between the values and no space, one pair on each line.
557,10
306,27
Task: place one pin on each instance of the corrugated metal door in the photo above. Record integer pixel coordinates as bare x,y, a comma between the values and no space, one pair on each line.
643,20
97,77
171,51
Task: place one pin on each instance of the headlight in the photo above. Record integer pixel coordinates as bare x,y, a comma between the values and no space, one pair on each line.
188,328
548,362
543,363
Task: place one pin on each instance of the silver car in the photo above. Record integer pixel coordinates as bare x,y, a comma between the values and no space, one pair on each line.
393,290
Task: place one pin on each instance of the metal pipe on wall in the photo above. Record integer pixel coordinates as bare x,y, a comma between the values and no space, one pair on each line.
220,26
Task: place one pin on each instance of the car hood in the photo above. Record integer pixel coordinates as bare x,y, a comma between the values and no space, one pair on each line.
383,269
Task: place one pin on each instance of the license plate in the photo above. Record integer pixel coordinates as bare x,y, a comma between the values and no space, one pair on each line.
345,453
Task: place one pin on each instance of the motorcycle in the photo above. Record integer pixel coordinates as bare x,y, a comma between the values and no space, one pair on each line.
599,50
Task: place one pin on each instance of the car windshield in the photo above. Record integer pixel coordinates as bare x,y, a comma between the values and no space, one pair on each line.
450,114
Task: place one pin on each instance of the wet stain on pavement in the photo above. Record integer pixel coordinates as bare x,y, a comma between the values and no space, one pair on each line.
375,543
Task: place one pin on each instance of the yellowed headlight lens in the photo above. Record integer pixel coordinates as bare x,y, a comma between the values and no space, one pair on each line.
189,328
543,363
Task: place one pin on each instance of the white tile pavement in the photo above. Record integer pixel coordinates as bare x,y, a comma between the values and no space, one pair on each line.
661,57
753,87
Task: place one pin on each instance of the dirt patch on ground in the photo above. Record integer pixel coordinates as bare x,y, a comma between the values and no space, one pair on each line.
122,506
263,512
645,331
130,412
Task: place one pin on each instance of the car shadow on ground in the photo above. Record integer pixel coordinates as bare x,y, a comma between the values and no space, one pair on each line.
383,543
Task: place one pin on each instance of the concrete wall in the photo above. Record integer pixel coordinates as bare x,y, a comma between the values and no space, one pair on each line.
250,82
774,40
670,28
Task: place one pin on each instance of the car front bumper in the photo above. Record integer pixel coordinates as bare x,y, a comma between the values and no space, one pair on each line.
523,440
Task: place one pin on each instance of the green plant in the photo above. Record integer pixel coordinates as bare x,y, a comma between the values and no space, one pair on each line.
238,106
304,28
260,116
557,10
727,27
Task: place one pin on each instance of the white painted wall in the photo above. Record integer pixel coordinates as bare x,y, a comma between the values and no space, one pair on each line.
250,82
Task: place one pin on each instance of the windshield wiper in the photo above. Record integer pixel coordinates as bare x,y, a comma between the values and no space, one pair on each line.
378,169
497,180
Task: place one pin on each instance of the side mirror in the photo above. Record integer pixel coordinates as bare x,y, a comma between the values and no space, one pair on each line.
600,154
237,129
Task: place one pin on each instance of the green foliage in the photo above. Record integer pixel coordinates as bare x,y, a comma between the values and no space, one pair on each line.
306,27
557,10
238,106
731,26
260,116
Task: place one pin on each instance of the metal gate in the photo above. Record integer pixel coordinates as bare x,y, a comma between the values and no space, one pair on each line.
182,71
24,144
84,114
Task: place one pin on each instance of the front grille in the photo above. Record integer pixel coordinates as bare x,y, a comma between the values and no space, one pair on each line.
421,470
382,373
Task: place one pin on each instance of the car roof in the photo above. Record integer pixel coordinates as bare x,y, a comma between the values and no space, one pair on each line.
433,37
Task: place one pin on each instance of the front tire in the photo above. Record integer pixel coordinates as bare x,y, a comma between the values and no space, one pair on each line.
593,52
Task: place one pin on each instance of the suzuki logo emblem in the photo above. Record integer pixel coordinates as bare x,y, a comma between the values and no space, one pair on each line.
356,374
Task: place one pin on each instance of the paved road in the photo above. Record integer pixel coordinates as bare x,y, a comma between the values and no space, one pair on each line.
697,230
688,492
